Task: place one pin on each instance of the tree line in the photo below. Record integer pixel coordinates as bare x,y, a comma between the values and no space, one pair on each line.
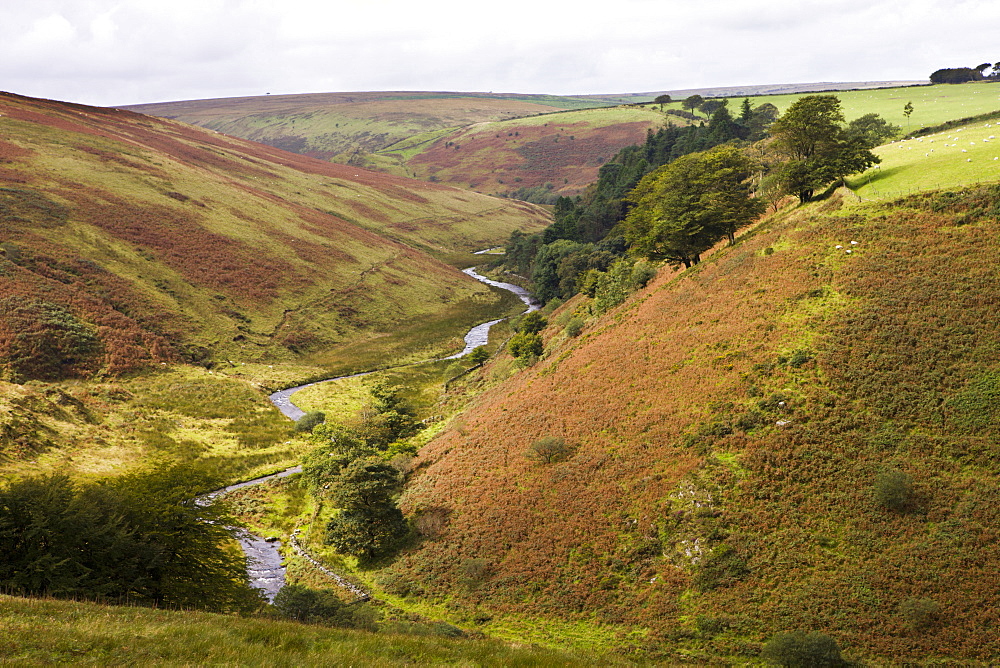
685,189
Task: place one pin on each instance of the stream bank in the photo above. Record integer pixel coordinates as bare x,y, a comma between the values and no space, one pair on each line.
265,568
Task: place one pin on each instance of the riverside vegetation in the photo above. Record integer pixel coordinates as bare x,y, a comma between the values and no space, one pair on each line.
779,453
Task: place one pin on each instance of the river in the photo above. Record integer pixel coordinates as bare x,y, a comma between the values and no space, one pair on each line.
266,569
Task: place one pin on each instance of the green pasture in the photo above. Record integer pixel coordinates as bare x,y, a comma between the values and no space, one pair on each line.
953,158
932,105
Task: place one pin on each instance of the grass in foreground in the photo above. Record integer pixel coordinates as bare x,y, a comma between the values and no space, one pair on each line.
37,631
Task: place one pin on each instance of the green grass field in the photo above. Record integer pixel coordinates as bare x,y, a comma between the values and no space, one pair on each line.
932,104
955,158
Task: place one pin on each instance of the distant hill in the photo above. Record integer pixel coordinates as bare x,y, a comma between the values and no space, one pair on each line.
496,143
127,240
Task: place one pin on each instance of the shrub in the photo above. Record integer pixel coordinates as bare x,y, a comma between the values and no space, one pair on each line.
474,572
919,613
310,420
310,605
549,450
479,355
574,327
642,273
894,491
799,648
722,567
532,323
525,345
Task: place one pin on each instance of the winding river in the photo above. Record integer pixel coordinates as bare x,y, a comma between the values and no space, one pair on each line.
266,568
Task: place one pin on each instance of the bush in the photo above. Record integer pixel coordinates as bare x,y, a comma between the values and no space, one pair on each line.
532,323
525,345
574,327
894,491
919,613
310,605
549,450
722,567
479,355
803,649
310,420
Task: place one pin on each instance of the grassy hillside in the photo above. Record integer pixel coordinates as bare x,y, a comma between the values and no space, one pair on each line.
420,134
956,157
789,436
329,124
42,632
563,150
932,105
128,241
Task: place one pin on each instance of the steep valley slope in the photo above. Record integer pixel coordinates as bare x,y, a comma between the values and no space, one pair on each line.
126,241
800,433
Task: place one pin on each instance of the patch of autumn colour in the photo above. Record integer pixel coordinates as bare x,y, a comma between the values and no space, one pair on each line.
899,332
500,161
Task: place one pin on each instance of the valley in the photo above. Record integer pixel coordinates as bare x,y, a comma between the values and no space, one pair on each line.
687,455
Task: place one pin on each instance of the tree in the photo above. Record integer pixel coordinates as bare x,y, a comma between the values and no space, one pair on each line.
907,110
818,147
955,75
369,524
549,450
662,100
746,112
339,447
692,102
479,355
872,130
709,107
683,208
310,420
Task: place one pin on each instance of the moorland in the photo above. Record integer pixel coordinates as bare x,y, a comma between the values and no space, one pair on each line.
765,433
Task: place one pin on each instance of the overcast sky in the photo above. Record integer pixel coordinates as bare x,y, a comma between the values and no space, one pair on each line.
113,52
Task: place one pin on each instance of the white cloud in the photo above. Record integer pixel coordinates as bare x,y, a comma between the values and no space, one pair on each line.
127,51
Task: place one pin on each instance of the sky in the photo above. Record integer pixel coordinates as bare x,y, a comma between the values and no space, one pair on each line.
117,52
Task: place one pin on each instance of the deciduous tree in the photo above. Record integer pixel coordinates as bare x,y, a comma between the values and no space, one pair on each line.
683,208
818,146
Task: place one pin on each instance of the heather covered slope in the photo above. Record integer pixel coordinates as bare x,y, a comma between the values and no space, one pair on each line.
788,436
325,125
127,240
554,154
496,144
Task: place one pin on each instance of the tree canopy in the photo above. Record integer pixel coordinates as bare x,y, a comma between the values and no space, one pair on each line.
820,149
685,207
